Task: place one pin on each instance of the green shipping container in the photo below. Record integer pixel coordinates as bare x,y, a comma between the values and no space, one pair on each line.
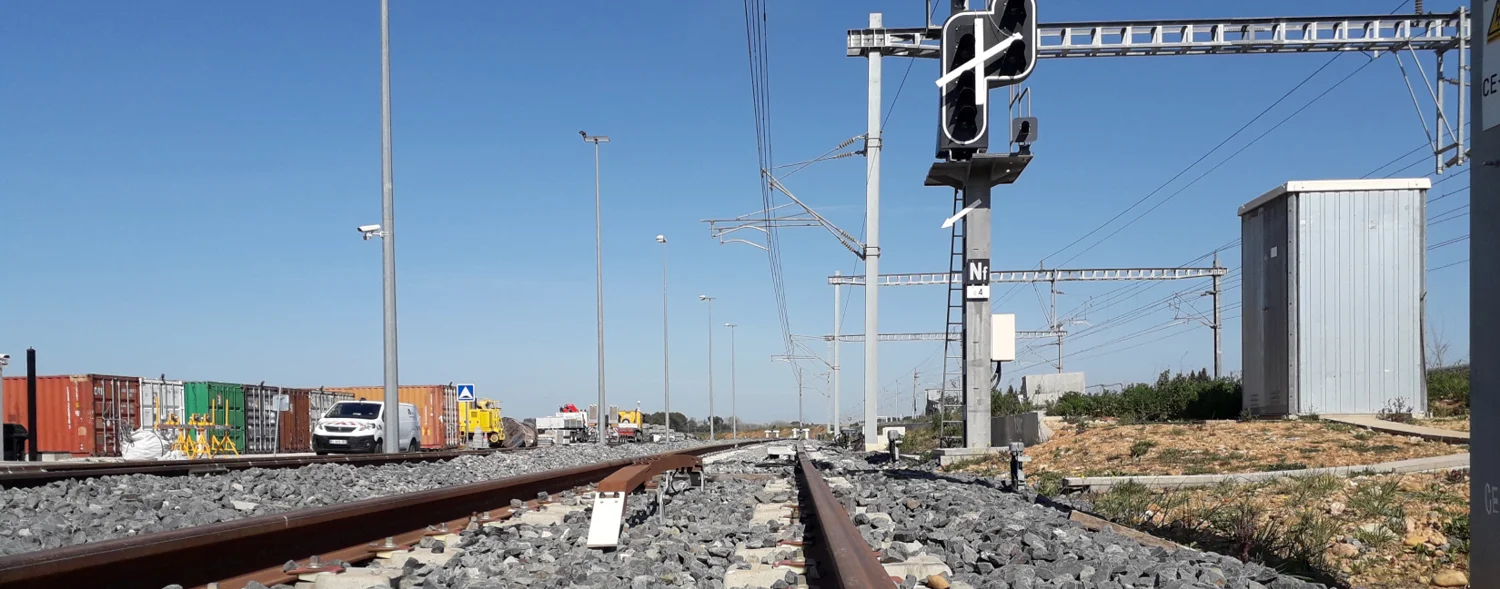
201,397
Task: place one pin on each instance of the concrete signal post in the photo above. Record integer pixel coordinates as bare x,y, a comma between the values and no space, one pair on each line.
1484,285
981,50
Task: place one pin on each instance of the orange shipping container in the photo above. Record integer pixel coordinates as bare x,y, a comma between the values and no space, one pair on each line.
82,415
437,408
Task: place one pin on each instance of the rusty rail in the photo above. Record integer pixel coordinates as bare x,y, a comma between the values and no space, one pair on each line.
237,550
38,474
842,555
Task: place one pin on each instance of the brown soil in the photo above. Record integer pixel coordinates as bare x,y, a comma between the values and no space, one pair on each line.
1109,449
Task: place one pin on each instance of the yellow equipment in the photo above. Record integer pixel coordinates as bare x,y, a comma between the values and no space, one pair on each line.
481,420
630,417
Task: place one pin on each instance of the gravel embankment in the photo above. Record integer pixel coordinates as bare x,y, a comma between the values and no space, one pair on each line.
74,512
692,545
992,538
988,539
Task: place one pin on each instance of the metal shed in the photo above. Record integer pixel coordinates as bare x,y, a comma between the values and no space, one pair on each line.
1334,276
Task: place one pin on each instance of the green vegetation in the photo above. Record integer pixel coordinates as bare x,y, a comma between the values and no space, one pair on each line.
1172,398
1008,403
1398,411
1448,391
1140,448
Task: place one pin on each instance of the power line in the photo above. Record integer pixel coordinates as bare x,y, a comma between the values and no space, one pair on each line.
1200,159
1463,261
1231,156
1398,158
1448,242
1446,195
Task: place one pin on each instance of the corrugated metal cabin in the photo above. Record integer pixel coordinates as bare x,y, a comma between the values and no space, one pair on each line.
1334,272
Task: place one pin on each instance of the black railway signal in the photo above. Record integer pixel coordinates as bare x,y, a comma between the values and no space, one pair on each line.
982,49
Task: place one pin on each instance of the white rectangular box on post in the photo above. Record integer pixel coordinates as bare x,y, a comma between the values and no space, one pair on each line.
1003,337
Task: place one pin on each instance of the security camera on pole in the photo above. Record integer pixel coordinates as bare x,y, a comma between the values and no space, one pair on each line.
982,49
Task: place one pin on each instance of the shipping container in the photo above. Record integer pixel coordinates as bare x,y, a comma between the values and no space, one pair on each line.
320,400
262,419
296,421
224,403
437,408
1334,273
81,415
161,401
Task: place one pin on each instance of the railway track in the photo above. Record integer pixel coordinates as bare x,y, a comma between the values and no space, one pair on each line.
414,530
726,515
37,474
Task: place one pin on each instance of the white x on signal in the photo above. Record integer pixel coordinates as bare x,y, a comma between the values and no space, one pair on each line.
976,65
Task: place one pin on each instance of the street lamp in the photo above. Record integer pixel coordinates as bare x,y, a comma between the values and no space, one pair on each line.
710,301
734,408
598,275
388,238
666,366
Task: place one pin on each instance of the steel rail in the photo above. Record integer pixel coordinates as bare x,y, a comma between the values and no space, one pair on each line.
238,550
845,558
34,475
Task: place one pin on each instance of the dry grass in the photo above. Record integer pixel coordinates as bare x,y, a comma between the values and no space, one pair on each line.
1106,448
1377,532
1457,424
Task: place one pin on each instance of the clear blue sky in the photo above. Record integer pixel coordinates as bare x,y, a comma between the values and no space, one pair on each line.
181,181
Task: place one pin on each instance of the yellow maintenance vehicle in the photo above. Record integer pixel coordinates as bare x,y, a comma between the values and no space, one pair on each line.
481,423
630,427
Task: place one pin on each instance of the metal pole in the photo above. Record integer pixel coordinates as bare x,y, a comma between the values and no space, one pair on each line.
32,454
599,283
388,240
734,407
834,368
914,394
710,301
1057,324
872,249
1218,326
666,367
1463,82
800,423
1441,121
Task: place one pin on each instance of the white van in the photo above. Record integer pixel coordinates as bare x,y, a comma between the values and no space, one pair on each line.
359,426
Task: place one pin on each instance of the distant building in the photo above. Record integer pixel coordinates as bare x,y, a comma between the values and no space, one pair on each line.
1041,389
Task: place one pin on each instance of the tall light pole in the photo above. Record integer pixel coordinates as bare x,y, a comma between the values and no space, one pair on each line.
388,238
598,277
734,408
666,365
710,301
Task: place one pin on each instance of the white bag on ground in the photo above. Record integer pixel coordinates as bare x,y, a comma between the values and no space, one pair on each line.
145,444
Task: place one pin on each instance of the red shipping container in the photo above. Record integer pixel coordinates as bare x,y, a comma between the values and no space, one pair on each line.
81,414
296,423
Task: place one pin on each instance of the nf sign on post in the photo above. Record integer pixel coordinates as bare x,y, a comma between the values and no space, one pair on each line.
982,49
977,280
466,392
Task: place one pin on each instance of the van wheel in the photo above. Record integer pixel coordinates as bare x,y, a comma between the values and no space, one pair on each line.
379,446
415,446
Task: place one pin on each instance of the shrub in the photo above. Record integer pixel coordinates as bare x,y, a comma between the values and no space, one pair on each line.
1008,403
1398,411
1171,398
1140,448
1448,389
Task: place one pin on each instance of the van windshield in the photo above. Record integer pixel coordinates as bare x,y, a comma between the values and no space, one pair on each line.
355,410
